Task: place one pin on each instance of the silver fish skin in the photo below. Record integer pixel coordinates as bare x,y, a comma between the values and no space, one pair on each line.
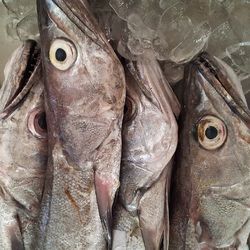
85,96
23,148
150,226
211,183
150,135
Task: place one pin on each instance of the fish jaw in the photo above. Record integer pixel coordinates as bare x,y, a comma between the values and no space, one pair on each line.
196,217
85,110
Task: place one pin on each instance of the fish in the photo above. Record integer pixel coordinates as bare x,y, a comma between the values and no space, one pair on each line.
85,96
150,136
210,190
23,147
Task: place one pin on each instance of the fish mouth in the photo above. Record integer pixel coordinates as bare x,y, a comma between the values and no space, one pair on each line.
213,72
23,75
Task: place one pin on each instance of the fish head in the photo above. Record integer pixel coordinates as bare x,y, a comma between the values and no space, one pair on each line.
149,131
85,95
215,144
23,133
83,75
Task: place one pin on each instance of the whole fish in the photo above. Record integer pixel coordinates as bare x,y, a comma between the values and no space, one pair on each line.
210,208
23,147
150,136
85,96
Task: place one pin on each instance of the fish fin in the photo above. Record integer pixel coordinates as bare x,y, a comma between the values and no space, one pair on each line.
152,232
104,189
151,238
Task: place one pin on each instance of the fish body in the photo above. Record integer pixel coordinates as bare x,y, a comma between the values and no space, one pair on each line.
85,96
23,147
147,228
210,192
149,142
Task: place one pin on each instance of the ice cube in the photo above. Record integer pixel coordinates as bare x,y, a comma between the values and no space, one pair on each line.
173,72
240,55
160,47
217,14
240,20
198,11
20,7
8,45
124,51
191,45
122,7
174,31
164,4
221,38
11,28
138,29
27,28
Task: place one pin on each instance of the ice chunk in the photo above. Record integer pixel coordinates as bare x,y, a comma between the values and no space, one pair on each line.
23,19
240,55
164,4
198,11
135,46
160,47
173,72
246,86
240,20
11,28
8,45
138,29
221,38
191,45
124,51
217,14
20,7
27,28
165,28
122,7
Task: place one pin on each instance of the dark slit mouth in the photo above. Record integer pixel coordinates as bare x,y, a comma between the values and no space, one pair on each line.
30,59
31,55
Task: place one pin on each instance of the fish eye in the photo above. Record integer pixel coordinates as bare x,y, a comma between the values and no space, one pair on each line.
212,132
62,54
129,109
37,124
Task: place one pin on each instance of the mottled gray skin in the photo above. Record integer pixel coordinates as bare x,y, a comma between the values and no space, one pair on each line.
210,208
23,154
85,109
149,142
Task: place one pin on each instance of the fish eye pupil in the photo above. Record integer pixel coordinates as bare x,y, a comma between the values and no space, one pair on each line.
42,121
60,55
211,132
